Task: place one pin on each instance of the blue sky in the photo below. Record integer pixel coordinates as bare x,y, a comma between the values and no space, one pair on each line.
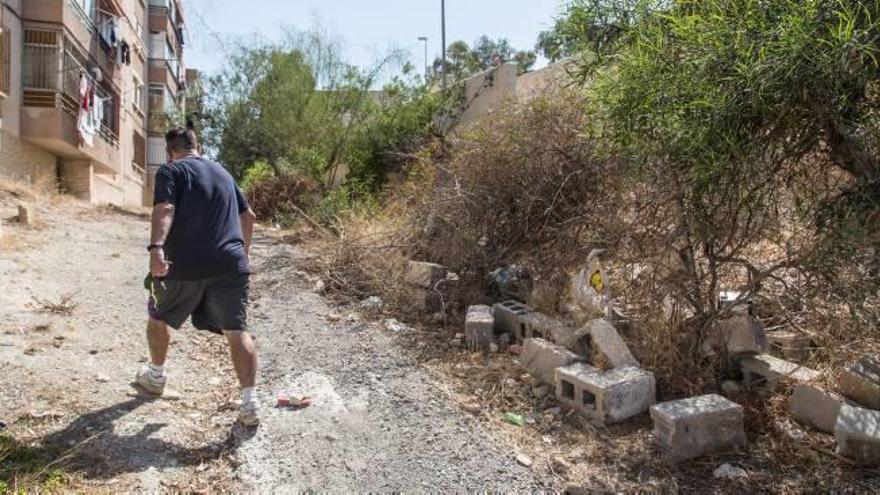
369,27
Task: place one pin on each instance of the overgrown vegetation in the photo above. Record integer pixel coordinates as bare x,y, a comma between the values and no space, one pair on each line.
25,469
301,127
722,145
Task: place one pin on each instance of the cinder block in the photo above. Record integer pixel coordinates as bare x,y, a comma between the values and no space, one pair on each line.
576,340
539,326
860,382
541,358
423,274
609,396
693,427
857,432
790,345
479,327
605,341
815,407
509,318
770,369
738,334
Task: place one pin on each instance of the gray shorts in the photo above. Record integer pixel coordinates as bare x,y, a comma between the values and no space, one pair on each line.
215,304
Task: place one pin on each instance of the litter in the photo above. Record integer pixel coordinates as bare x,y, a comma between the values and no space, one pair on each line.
514,419
288,403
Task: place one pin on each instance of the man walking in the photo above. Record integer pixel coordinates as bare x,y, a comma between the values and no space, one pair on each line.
200,241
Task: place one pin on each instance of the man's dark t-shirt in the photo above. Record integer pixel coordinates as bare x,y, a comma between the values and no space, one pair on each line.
205,239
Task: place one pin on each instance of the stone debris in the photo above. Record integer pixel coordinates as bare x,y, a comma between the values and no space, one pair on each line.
541,358
790,345
395,326
423,274
739,334
771,369
815,407
540,326
729,472
609,345
25,215
609,396
479,327
690,428
860,382
857,432
424,279
524,460
509,318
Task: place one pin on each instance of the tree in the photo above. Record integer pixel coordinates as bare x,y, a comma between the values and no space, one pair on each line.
745,122
463,61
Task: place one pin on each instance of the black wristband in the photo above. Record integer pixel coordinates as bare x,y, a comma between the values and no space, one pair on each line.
153,246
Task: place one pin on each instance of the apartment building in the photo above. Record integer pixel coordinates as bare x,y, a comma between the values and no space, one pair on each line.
86,87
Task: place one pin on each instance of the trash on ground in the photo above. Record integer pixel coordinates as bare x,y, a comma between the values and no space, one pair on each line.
729,472
288,403
524,460
514,418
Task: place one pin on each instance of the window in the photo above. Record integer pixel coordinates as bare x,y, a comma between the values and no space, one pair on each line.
156,154
5,47
137,91
157,45
87,6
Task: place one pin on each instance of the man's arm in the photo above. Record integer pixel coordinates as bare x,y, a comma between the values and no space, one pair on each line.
247,220
160,226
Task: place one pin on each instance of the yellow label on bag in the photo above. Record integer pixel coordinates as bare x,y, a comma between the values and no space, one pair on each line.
596,281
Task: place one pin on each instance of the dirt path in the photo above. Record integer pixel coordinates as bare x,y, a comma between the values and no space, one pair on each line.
377,422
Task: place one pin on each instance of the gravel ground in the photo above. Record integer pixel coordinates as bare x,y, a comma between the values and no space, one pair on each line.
377,423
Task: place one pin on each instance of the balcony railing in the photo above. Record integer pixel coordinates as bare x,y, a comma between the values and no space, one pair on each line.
51,78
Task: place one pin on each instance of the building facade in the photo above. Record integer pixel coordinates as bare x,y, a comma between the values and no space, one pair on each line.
86,89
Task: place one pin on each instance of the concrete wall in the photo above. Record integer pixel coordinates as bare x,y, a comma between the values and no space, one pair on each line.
77,179
496,87
534,84
488,91
27,164
108,189
20,161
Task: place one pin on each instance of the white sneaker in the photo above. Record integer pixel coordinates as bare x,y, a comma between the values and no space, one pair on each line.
150,382
249,413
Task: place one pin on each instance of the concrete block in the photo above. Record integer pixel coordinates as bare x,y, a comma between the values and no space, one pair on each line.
815,407
857,433
509,318
540,326
541,358
479,327
738,334
693,427
607,345
790,345
767,369
423,274
860,382
576,340
25,215
609,396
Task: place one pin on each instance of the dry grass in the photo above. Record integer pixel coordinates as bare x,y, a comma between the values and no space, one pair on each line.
530,188
65,305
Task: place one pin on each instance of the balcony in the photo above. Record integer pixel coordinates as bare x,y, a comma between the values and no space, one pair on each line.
81,26
50,102
166,71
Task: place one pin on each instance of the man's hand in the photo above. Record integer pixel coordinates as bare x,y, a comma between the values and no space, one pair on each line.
158,265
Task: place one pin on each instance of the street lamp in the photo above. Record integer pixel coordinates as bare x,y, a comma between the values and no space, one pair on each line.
443,37
425,40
